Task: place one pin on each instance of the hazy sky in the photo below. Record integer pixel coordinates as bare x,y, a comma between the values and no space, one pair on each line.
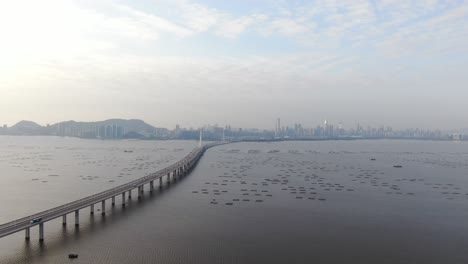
240,62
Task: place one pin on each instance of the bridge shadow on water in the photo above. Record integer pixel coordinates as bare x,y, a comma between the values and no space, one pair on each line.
92,225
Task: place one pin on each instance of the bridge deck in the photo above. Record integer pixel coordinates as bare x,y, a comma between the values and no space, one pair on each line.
50,214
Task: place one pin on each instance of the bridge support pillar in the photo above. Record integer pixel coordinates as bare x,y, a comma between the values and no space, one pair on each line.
91,209
123,199
103,207
169,177
41,232
174,174
77,218
64,220
27,233
113,201
160,182
151,186
129,194
139,192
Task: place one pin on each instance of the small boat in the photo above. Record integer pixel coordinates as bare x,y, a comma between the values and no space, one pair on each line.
397,166
72,256
372,159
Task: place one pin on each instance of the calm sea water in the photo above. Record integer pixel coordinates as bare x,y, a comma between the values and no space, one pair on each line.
286,202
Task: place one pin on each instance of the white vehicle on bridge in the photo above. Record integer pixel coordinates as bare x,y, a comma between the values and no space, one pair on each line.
37,220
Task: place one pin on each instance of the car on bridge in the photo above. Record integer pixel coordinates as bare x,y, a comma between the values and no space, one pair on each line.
37,220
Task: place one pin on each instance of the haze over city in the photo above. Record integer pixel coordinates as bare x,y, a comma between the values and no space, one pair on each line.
245,63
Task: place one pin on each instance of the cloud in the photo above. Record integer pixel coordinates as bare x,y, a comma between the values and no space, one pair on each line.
198,17
438,34
232,28
288,26
151,22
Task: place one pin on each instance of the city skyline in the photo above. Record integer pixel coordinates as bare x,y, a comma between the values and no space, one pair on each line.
139,129
277,124
401,63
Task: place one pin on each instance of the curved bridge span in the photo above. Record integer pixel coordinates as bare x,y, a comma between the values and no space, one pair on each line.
178,169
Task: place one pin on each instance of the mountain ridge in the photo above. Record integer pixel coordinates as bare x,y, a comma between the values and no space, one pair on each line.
109,128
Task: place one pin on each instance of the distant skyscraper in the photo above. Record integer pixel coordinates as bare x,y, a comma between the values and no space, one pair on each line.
201,137
109,132
114,131
119,132
340,129
325,128
278,128
102,132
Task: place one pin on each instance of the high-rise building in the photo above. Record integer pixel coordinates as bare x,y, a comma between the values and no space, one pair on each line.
109,131
278,128
114,131
120,132
102,131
